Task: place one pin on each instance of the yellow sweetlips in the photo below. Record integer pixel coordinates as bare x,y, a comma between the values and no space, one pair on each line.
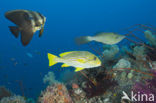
78,59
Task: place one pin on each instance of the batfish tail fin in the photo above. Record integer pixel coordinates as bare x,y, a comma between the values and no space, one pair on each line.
52,59
14,30
26,36
82,40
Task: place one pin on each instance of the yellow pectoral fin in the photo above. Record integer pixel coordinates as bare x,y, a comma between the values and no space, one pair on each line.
78,69
64,65
63,54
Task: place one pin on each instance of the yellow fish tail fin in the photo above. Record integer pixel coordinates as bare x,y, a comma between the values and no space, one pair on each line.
78,69
52,59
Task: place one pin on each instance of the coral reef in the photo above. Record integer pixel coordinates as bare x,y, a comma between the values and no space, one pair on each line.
50,78
122,63
55,93
110,52
13,99
139,52
130,68
150,37
148,87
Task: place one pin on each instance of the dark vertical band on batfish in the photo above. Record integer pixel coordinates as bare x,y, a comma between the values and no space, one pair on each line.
41,31
36,18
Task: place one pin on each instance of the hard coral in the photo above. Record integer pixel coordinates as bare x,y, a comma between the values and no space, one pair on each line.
56,93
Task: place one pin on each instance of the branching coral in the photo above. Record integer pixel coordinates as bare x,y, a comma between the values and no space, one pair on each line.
56,93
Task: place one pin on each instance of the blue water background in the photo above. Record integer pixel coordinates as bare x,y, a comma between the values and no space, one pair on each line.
66,19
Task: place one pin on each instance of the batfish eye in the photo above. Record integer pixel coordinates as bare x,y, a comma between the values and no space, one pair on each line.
38,24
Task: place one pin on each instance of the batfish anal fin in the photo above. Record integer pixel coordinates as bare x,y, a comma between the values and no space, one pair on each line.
14,30
26,36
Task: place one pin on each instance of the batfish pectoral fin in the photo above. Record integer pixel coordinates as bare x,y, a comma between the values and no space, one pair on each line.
78,69
41,31
14,30
26,36
64,65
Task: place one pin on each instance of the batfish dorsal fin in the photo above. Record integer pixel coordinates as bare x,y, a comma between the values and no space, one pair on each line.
63,54
26,36
16,16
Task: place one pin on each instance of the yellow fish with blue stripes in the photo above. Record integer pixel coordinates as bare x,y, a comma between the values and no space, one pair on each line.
78,59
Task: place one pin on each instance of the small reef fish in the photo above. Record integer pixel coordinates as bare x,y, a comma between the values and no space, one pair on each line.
78,59
28,22
29,55
103,37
